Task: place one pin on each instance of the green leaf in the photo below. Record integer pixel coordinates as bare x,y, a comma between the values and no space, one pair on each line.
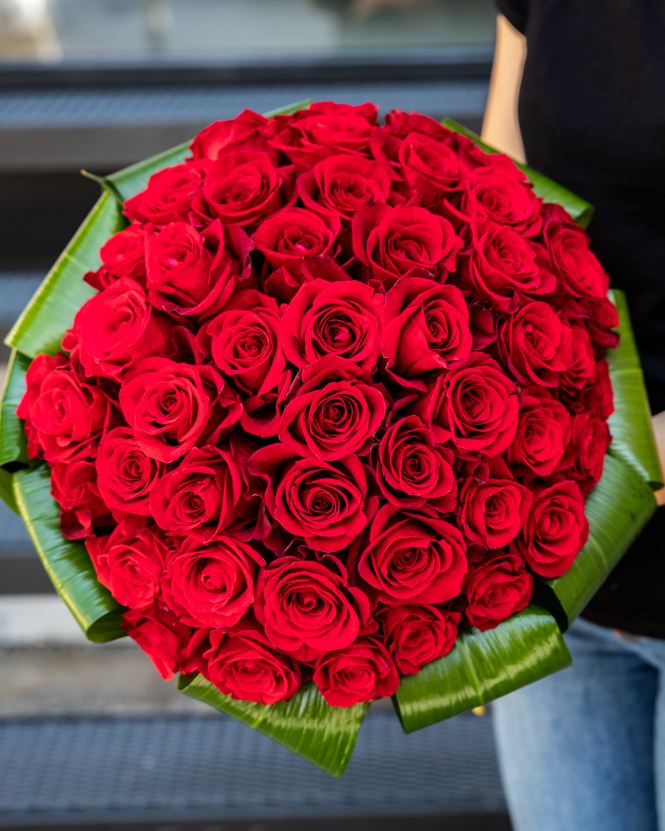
13,446
630,424
305,724
481,667
7,490
618,508
68,563
51,311
544,187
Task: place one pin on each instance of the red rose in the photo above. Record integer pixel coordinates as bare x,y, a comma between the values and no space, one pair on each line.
247,131
161,635
64,417
536,344
582,371
542,434
335,412
308,607
74,485
362,671
491,513
408,557
168,195
430,169
404,241
325,503
603,317
207,494
341,184
341,319
212,585
555,530
418,635
590,438
597,398
123,255
292,234
425,330
117,327
413,470
126,474
243,664
496,588
401,124
173,407
568,246
476,407
502,193
130,562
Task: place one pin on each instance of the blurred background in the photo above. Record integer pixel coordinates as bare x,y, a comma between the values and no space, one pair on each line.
90,736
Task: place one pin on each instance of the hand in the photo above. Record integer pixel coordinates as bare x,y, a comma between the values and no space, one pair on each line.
658,424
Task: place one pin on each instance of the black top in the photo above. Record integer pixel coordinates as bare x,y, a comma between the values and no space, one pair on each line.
592,116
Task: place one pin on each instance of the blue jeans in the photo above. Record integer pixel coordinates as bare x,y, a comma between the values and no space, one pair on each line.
584,749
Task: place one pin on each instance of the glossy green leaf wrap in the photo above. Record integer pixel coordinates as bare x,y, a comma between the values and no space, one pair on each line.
67,563
305,724
580,210
482,666
13,445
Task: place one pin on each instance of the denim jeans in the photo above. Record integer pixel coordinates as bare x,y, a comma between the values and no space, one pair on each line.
584,749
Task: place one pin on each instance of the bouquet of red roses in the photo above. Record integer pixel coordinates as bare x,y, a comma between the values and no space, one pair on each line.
320,427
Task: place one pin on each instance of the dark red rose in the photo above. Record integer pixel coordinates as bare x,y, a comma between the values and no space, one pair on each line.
590,438
341,184
64,417
597,398
430,169
491,513
418,635
117,327
574,263
403,241
126,474
341,319
212,585
425,330
582,371
496,588
362,671
292,234
243,664
247,131
555,530
161,635
408,557
502,193
242,189
173,407
130,562
536,344
335,412
499,264
168,195
603,318
192,273
413,470
74,485
325,503
122,256
207,494
308,607
542,434
476,407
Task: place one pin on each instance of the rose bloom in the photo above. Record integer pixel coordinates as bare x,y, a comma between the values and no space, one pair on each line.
294,233
243,664
576,265
162,636
308,608
334,413
168,195
590,438
212,585
408,557
430,169
362,671
125,473
74,485
341,319
496,588
123,255
130,562
418,635
247,131
492,512
542,434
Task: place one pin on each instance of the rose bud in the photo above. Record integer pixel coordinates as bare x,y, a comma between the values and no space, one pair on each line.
542,434
123,255
243,664
425,329
74,485
308,608
161,635
408,557
496,588
362,671
212,585
491,513
335,412
555,530
130,562
418,635
502,193
168,195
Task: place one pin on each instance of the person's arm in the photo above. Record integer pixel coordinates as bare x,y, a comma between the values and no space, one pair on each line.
501,128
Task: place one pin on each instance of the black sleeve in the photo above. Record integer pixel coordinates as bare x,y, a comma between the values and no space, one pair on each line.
515,11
